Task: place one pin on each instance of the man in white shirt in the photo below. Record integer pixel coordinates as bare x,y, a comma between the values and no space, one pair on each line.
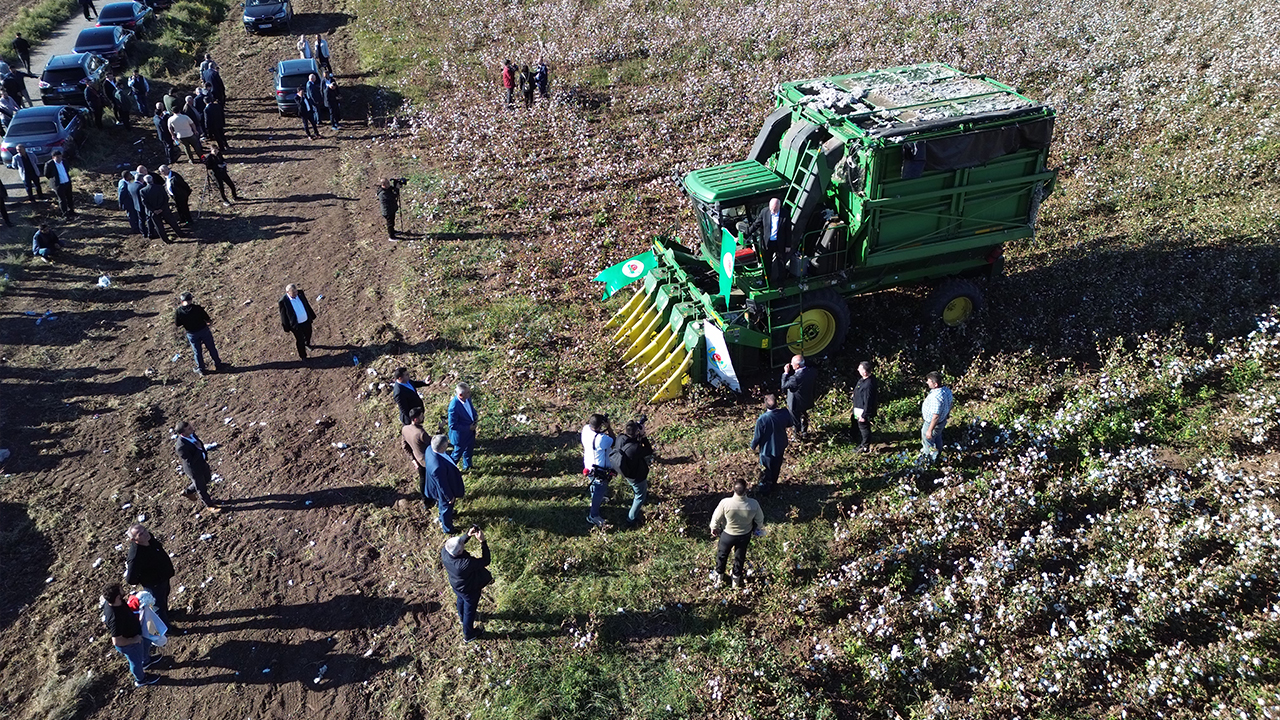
59,176
597,438
183,129
296,317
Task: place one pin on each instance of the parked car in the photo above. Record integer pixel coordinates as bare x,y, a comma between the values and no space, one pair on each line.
112,43
291,75
129,15
45,129
262,15
66,76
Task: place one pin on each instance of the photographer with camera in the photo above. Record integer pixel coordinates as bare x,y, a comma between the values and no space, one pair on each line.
597,439
389,200
468,576
630,457
216,165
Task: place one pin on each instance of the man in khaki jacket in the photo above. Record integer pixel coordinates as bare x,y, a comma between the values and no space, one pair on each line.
735,520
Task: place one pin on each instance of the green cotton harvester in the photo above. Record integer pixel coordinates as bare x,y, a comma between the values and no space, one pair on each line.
892,177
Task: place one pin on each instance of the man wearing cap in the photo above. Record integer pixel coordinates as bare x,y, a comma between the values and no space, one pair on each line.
468,576
196,322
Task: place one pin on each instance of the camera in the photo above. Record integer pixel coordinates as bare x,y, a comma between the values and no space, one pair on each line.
399,182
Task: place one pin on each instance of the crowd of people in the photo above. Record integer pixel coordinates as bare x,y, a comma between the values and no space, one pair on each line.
526,80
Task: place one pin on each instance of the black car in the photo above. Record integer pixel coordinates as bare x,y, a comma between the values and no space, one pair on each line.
263,15
66,76
129,15
291,75
112,43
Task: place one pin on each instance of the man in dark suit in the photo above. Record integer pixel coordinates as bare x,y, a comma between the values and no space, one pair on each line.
180,191
127,202
441,480
161,122
195,463
155,202
59,176
774,225
405,393
800,382
296,317
215,123
133,187
770,441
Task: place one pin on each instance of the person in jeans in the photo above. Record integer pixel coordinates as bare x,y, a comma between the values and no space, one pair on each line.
125,630
597,438
45,243
149,565
935,411
735,520
468,576
634,451
193,318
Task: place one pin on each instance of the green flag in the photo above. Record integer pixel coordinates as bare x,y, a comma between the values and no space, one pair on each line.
626,272
728,250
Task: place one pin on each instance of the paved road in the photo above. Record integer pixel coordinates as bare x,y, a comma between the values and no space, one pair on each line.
61,42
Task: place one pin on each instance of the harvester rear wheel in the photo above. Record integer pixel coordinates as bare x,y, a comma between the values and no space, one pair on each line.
955,302
824,323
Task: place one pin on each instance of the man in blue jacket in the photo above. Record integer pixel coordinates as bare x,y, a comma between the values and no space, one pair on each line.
770,441
468,576
442,481
463,420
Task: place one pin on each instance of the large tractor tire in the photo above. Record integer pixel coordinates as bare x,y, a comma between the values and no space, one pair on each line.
824,323
955,302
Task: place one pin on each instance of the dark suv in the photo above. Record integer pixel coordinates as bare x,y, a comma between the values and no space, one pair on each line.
264,15
291,75
66,76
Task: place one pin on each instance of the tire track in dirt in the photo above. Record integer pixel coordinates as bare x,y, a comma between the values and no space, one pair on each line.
301,573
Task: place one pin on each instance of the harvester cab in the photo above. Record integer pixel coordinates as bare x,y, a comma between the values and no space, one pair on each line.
908,175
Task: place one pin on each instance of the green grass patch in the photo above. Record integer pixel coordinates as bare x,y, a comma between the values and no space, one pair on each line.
35,23
181,36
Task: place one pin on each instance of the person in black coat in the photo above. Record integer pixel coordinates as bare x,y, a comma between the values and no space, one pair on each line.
16,87
865,403
216,164
4,204
149,565
23,49
155,201
315,92
195,463
296,317
59,177
770,440
800,382
309,114
217,88
635,451
161,121
215,123
333,100
405,393
180,191
93,100
774,226
389,200
468,576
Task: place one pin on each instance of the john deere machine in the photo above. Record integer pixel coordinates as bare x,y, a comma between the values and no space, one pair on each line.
908,175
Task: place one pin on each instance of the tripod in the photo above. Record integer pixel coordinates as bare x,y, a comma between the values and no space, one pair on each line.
205,192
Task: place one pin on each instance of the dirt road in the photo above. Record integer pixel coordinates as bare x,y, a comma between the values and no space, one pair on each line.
292,576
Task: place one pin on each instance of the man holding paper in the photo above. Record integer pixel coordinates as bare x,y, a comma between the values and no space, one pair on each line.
865,404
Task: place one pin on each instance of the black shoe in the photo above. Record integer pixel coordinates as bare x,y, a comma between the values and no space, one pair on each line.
223,367
147,680
152,662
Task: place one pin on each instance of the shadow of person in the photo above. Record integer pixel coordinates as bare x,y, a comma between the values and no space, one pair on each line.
330,497
253,662
344,612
